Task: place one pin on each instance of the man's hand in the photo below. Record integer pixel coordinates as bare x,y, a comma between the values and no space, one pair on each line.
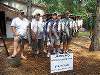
13,29
16,34
34,35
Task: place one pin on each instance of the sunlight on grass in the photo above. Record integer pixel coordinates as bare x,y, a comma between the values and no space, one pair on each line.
86,33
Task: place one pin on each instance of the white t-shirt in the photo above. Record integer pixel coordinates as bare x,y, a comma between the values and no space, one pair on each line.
20,25
59,25
76,23
37,27
80,22
71,24
48,27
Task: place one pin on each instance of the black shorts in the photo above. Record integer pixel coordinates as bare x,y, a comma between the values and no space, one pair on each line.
40,43
37,44
65,38
61,37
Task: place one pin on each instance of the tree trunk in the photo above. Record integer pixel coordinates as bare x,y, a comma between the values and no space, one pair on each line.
95,41
29,13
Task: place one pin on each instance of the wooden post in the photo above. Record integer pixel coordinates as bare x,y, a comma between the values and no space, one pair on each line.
1,37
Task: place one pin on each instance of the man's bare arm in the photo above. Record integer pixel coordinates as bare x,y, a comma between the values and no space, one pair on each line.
13,29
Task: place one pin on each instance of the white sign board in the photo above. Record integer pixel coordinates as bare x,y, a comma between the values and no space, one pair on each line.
61,62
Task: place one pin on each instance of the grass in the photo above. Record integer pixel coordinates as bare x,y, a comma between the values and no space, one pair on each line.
86,33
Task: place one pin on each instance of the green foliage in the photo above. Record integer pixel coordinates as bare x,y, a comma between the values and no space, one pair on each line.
83,9
55,5
76,7
83,33
91,6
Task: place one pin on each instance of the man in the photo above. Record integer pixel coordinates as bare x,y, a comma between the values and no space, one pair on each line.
47,31
66,31
71,26
60,30
60,27
70,20
44,18
37,31
19,29
53,37
55,33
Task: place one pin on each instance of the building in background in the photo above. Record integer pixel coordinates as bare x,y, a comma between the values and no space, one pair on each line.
9,10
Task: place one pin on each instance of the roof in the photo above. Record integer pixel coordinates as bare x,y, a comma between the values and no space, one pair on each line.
9,11
13,11
9,7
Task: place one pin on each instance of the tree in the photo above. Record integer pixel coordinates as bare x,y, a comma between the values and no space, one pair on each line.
55,5
95,40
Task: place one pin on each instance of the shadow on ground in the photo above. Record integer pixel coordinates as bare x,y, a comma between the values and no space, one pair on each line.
85,62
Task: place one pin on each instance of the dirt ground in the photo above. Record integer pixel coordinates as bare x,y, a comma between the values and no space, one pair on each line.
85,62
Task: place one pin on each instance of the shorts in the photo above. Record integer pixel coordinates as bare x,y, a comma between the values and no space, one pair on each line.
21,39
55,40
65,38
61,37
38,44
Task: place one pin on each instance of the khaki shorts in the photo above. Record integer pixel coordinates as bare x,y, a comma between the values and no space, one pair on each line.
20,40
55,41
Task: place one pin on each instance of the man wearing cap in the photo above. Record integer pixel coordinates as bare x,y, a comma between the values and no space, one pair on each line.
66,31
60,29
44,21
37,30
19,29
52,29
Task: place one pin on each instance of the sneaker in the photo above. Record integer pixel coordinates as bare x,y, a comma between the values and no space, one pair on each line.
36,52
59,51
54,51
10,57
69,50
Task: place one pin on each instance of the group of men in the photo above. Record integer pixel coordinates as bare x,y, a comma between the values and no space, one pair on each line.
50,36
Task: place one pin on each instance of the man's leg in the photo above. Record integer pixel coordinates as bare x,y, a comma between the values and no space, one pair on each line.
16,40
23,47
57,44
65,43
53,45
40,45
35,47
50,47
64,46
22,54
45,45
